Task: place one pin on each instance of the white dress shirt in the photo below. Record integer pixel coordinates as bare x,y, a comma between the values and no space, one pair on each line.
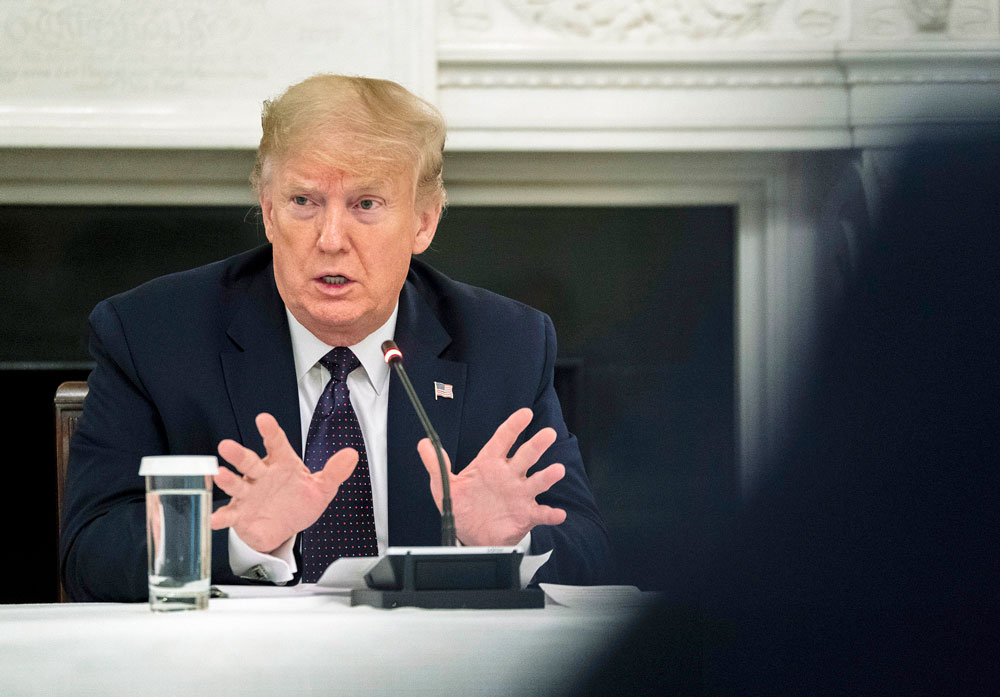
369,388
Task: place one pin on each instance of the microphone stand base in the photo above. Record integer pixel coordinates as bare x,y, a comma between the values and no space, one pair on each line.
478,599
481,578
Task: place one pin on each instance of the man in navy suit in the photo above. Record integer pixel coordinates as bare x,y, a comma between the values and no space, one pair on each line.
225,358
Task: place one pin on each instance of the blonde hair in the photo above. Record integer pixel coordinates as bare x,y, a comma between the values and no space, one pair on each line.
363,126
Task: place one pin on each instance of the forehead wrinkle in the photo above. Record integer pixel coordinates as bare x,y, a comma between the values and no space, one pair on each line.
359,184
358,172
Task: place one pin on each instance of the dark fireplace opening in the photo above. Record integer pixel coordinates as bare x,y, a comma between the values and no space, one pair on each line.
642,300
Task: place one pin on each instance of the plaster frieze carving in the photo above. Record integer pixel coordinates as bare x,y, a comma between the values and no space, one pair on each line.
975,18
69,25
652,21
188,73
554,74
929,15
819,19
92,46
694,24
646,23
925,22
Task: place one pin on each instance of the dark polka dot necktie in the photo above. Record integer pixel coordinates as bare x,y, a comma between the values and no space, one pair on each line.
347,527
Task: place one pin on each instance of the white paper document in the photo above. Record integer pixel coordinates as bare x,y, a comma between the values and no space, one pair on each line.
349,572
596,597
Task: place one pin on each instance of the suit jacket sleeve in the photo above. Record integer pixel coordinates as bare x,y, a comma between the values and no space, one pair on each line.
103,544
581,552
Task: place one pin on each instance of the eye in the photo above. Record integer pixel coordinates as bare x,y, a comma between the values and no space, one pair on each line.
300,200
366,204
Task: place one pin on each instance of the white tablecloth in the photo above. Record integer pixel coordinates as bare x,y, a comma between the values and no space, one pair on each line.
284,641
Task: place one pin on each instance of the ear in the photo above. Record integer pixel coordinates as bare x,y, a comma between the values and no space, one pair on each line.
428,221
266,210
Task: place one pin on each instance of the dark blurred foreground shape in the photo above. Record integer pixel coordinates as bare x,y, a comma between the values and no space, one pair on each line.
869,561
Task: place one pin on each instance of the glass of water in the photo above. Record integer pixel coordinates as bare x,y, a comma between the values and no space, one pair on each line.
178,535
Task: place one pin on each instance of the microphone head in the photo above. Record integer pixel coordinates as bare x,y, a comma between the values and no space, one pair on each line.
391,352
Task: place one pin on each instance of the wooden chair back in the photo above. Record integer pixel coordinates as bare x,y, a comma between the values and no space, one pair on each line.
68,408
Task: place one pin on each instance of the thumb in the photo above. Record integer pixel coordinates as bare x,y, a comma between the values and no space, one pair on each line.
336,470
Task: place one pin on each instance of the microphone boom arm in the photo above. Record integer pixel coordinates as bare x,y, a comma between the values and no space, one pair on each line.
394,357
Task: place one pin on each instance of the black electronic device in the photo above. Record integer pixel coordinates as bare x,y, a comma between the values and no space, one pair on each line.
448,577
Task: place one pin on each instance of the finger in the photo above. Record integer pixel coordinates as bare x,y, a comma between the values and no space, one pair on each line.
529,452
224,517
547,515
336,470
428,455
503,440
245,460
542,481
276,443
229,482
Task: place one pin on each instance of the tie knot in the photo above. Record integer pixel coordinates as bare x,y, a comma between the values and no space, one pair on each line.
340,362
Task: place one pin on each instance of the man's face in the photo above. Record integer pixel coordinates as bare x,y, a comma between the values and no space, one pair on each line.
342,245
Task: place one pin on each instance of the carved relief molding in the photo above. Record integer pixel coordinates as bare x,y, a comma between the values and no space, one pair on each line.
464,77
107,73
508,74
713,74
627,22
621,77
673,22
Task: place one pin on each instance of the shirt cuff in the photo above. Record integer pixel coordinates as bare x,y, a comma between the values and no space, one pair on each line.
524,546
247,562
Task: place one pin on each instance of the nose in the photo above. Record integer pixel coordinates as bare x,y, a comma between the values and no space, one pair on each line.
333,234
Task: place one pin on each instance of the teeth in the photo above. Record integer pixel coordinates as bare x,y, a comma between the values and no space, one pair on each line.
334,280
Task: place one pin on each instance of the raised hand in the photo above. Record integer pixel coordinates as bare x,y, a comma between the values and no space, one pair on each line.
277,496
492,498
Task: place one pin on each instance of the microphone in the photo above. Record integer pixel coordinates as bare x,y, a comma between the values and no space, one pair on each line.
447,576
394,358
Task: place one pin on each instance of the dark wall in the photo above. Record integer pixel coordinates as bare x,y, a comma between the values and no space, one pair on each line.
642,300
56,263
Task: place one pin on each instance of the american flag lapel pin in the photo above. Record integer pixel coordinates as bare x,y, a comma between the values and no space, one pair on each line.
443,390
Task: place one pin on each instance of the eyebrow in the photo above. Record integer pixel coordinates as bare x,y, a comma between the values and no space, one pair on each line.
307,185
353,186
369,183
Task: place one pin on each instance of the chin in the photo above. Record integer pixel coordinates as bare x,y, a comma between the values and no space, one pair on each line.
338,330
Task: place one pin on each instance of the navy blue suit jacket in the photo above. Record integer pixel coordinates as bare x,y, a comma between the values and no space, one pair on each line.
189,359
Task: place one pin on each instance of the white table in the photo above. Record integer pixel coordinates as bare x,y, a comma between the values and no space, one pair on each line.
272,641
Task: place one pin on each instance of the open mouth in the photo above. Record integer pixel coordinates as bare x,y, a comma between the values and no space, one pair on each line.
334,280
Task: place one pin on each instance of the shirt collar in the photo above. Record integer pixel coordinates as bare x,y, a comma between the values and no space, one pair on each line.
307,350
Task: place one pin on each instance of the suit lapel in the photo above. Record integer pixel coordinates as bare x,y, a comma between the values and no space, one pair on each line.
260,376
260,369
413,517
